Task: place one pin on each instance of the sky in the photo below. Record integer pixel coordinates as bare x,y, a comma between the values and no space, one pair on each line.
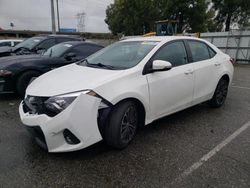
36,14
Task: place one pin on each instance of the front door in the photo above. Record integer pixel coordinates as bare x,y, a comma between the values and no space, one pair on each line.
171,90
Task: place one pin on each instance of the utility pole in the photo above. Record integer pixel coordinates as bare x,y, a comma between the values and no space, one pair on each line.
58,17
81,21
53,17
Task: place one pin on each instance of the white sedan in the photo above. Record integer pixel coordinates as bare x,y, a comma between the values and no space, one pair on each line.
10,42
126,85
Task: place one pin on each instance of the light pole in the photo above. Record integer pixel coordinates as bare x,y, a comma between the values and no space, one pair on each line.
53,17
58,17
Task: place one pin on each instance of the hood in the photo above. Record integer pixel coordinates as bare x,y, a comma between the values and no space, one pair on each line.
10,60
70,78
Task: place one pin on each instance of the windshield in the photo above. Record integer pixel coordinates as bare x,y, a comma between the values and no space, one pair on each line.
57,50
121,55
29,43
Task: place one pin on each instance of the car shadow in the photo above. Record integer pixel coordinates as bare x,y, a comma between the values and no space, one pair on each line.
9,96
170,124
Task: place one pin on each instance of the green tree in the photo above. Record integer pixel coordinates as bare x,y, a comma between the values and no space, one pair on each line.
232,11
138,16
131,17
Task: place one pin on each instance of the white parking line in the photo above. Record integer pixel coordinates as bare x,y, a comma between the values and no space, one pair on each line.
240,87
211,153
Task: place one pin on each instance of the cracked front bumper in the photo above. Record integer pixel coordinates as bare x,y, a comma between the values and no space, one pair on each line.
80,118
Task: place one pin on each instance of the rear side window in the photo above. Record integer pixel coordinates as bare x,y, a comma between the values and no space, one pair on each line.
199,51
212,53
174,53
5,44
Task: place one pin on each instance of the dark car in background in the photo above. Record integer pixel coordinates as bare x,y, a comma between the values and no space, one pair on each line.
16,72
36,45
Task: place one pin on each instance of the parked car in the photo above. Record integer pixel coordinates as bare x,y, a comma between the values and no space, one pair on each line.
36,45
17,71
9,42
126,85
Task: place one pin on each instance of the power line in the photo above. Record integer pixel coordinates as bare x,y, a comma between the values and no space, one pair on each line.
81,21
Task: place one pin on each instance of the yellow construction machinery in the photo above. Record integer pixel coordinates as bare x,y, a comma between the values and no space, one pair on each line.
167,28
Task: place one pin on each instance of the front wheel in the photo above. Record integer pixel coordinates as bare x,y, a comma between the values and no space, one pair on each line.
121,129
220,94
24,80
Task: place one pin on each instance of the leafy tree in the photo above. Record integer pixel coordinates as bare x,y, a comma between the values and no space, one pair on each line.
232,11
134,17
131,17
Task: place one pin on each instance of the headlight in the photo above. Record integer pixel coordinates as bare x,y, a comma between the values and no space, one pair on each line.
58,103
5,73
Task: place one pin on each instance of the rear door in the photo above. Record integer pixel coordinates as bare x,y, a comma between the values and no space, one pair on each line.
171,90
206,70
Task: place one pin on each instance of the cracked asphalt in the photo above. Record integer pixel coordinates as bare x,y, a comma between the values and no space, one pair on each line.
160,153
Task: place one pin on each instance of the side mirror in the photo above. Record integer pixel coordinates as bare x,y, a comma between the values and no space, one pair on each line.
70,56
39,50
160,65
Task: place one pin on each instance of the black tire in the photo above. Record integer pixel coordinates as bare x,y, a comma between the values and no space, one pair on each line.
220,94
121,127
24,80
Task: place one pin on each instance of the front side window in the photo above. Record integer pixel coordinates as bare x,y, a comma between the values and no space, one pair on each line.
174,53
122,55
16,43
199,51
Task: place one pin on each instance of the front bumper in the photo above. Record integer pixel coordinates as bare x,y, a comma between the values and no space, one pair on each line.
80,118
6,85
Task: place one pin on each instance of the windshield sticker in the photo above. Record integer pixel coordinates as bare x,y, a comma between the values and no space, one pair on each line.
150,42
36,40
67,45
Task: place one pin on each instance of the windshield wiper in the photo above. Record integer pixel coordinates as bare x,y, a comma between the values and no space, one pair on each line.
85,61
103,65
97,64
100,65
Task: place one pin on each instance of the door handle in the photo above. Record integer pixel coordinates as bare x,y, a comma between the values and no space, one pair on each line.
187,72
217,64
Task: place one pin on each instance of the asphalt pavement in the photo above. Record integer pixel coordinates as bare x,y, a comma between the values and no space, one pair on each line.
196,147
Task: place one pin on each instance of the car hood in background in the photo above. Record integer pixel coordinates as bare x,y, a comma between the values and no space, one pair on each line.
10,60
70,78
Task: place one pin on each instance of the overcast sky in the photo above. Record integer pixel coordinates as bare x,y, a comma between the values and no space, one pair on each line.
35,14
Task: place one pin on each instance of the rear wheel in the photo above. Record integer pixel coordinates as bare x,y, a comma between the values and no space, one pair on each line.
220,94
24,80
121,129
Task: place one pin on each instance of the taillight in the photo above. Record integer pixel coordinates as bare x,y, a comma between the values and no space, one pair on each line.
232,60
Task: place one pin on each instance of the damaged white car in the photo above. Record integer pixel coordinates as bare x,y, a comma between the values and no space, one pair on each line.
126,85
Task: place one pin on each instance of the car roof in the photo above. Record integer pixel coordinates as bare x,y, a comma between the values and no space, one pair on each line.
7,40
161,38
75,37
74,43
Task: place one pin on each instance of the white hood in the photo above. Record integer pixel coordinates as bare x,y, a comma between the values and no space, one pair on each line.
70,78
